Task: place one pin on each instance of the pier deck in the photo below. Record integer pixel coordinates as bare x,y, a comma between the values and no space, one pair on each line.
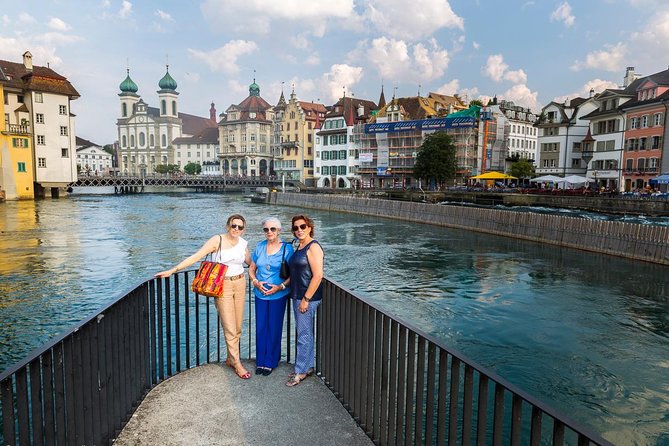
210,405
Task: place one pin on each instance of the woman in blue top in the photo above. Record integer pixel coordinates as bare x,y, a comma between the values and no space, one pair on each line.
270,294
306,291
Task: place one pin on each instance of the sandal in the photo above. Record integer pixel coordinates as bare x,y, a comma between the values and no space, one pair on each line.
296,379
243,375
309,373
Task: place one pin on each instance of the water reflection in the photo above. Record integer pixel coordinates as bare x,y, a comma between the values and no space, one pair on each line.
584,332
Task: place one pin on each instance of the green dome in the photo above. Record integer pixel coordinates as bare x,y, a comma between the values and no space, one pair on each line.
128,86
167,82
254,89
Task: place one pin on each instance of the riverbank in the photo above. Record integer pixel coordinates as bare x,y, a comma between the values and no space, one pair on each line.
628,240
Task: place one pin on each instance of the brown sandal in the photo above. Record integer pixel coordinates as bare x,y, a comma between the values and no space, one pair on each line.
296,378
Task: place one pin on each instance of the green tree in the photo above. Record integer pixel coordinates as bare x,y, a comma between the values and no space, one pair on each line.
166,168
436,162
475,102
522,169
192,168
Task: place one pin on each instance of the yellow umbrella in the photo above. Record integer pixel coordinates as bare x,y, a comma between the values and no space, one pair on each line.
494,176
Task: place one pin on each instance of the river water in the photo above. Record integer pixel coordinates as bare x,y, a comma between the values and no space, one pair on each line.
586,333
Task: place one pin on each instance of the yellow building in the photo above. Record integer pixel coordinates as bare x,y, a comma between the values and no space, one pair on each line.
16,159
300,119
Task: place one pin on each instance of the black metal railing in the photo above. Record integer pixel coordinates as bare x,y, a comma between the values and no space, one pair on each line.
400,385
404,387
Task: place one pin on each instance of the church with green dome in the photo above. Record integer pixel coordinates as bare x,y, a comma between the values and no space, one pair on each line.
151,136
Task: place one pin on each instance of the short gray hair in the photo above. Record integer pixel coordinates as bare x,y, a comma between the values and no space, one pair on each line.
273,220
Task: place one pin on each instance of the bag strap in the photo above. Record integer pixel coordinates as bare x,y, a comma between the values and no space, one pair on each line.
220,243
283,254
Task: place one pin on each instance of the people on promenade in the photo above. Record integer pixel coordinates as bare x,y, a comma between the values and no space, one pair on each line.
230,249
306,289
271,293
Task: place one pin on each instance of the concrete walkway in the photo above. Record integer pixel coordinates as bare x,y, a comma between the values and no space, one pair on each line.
210,405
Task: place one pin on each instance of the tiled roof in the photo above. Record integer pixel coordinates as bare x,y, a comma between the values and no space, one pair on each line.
314,107
191,124
39,79
208,135
418,107
348,108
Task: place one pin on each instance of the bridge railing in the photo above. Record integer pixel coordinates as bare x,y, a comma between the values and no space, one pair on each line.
401,385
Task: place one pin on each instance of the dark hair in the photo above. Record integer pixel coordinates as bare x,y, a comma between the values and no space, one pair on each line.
309,221
235,217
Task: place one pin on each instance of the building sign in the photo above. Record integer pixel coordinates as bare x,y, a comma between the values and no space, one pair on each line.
366,157
423,124
381,171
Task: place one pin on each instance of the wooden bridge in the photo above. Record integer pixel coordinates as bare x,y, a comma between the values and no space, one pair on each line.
133,184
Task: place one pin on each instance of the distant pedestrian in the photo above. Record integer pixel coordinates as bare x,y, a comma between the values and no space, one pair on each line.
306,292
271,293
230,249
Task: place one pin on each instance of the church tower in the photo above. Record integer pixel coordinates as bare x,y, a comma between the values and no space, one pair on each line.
167,96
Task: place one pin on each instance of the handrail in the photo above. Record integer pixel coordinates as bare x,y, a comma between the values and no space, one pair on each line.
398,382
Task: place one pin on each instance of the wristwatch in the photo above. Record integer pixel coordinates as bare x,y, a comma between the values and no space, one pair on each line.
308,299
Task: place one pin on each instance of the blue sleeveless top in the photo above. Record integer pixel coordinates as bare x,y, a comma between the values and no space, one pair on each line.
300,274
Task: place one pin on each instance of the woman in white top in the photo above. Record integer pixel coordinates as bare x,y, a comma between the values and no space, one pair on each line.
234,253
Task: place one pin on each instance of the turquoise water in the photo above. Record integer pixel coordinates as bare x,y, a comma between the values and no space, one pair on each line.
586,333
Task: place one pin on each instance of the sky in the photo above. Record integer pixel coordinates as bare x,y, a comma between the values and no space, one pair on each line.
528,52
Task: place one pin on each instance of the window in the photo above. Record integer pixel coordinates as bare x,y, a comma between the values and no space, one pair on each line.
63,130
62,109
142,139
341,170
576,162
41,162
634,123
152,141
644,121
19,98
326,170
64,152
342,154
19,142
21,167
163,140
38,97
41,140
657,142
39,118
174,108
132,140
163,107
124,110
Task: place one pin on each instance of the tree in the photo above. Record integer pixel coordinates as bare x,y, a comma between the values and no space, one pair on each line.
166,168
192,169
475,102
436,160
522,169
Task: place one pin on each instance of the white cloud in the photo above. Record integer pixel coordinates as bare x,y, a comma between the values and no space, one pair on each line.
656,31
399,61
58,24
449,88
105,4
164,15
257,16
423,18
313,59
340,77
126,9
192,77
42,54
224,59
598,85
612,58
517,76
521,95
55,38
495,67
563,14
26,19
300,41
476,45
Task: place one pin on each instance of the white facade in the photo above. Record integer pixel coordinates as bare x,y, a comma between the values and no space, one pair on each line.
195,152
94,160
337,155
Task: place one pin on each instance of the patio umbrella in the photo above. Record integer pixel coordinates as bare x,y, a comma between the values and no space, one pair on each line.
494,176
662,179
547,179
575,179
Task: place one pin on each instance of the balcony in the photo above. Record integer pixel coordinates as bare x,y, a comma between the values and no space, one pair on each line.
18,129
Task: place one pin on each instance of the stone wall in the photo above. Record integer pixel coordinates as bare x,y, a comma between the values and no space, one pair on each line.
634,241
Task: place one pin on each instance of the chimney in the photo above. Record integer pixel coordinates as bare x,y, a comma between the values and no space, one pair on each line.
592,92
212,112
629,76
361,110
28,60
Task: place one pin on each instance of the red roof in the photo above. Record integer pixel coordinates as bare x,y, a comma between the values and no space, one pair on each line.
39,79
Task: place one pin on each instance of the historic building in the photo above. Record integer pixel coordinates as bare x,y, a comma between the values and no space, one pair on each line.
38,145
645,116
146,134
521,135
298,121
337,143
93,159
245,135
563,139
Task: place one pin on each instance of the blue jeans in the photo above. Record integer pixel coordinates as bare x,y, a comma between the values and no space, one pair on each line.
305,358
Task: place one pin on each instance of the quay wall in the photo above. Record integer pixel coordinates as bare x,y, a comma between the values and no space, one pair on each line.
649,243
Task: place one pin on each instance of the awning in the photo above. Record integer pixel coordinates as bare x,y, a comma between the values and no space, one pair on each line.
494,176
662,179
547,179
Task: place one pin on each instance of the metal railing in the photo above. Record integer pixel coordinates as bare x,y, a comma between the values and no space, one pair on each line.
400,385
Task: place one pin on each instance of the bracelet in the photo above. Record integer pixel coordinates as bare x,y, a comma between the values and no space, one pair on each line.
283,286
308,299
254,281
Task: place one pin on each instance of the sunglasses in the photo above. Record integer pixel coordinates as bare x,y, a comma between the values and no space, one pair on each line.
303,226
266,230
236,226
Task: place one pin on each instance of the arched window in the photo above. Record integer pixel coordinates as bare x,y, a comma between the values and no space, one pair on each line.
132,140
152,141
164,140
124,109
142,139
124,141
174,108
163,107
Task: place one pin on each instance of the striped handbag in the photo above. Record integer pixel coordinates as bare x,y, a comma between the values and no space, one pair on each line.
210,277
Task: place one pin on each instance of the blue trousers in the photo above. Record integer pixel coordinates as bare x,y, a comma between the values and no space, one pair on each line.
305,357
269,325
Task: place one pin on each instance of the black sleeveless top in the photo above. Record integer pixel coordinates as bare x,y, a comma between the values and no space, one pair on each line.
300,274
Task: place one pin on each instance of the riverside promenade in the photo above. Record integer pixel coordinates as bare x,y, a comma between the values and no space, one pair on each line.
210,405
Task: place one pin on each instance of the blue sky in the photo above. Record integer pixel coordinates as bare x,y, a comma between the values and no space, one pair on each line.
530,52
